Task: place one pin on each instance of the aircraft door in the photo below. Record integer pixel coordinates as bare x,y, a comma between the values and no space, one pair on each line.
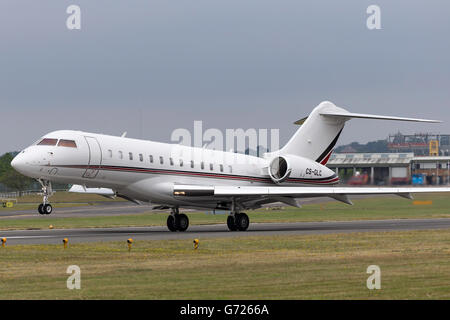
95,158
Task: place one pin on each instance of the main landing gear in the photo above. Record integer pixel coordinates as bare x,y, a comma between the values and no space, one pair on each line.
177,221
45,207
238,222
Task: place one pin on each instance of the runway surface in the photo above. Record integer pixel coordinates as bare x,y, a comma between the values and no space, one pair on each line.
217,231
111,209
102,209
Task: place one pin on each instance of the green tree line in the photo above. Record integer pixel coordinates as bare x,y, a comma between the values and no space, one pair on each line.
379,146
10,178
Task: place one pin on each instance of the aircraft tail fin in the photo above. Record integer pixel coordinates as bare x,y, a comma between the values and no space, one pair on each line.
320,131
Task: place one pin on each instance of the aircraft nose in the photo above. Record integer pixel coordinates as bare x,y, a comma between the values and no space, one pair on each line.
19,163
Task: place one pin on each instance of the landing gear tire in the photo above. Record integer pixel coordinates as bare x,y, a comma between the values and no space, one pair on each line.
48,209
182,222
41,209
242,221
178,222
231,223
171,223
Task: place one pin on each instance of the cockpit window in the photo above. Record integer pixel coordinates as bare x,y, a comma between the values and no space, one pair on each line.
48,142
67,143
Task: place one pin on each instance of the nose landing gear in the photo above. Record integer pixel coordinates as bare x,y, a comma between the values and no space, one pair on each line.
45,207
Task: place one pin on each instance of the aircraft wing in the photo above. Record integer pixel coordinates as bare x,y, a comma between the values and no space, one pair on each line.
279,192
293,191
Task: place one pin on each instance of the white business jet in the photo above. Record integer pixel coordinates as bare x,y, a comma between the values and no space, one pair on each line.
174,176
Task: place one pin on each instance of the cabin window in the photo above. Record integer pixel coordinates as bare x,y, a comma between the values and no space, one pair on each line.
171,161
230,168
221,168
181,162
151,159
67,143
48,142
192,163
130,155
110,153
211,167
120,155
141,157
202,165
161,160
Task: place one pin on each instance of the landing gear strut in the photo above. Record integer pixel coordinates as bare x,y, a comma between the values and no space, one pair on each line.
45,207
177,221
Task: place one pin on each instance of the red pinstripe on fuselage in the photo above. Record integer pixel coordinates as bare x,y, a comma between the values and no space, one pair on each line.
320,181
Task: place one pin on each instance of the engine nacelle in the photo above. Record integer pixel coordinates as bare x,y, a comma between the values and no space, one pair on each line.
284,167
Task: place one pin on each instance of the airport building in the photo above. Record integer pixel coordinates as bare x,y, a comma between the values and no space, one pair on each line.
390,168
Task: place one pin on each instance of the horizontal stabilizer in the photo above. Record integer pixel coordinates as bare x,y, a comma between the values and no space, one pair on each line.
301,121
349,115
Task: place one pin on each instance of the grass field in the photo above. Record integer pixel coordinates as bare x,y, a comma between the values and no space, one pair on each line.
364,209
414,265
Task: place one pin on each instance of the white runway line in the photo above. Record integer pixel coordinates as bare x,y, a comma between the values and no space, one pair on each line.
30,237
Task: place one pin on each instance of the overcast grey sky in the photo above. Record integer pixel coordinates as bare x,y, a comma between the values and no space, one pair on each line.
230,63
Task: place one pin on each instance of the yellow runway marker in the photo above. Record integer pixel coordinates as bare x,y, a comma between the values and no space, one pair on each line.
65,242
3,242
196,243
130,243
